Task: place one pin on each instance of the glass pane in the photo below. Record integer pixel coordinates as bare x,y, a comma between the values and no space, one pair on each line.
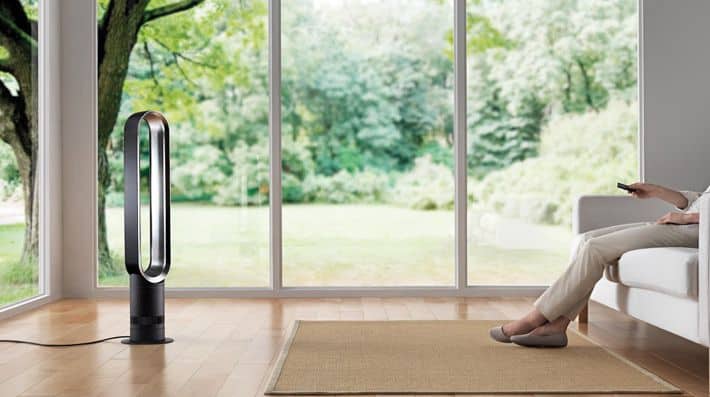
552,115
19,169
368,184
205,69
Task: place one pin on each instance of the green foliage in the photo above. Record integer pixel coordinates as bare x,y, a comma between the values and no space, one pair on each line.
543,189
111,266
292,189
199,176
19,273
10,183
427,186
482,35
368,99
367,102
540,58
440,153
344,187
205,69
248,183
498,138
31,8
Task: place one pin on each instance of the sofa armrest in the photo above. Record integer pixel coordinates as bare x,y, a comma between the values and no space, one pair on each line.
704,271
595,212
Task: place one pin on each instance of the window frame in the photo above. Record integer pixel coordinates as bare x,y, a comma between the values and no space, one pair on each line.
49,275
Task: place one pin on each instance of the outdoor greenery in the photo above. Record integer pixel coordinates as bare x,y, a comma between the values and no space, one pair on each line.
367,111
543,189
19,185
367,123
367,103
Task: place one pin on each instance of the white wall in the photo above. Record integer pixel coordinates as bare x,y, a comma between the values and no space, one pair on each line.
79,140
51,122
676,93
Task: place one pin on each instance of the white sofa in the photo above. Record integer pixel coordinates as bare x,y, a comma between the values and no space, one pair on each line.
665,287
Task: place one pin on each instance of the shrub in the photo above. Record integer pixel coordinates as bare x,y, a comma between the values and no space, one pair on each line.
200,176
579,154
345,187
291,189
427,186
248,183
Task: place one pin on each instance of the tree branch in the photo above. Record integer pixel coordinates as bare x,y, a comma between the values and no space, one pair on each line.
152,65
7,110
8,28
187,78
14,23
177,54
587,84
16,12
169,9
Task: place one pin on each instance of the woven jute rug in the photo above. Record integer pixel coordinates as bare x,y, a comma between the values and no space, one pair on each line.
444,357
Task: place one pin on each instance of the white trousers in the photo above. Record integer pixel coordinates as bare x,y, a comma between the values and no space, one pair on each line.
594,251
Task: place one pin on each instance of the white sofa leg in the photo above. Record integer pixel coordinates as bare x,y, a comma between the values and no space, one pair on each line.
583,317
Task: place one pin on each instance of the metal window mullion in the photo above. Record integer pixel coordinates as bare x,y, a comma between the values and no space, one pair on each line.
640,93
44,243
460,198
275,227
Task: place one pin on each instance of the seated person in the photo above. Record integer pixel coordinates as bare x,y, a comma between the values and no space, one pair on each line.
546,324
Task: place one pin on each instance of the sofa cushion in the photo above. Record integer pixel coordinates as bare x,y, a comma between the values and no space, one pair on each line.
669,270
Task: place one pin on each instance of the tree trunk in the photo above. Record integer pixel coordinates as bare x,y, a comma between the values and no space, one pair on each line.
30,250
107,266
24,142
27,165
118,34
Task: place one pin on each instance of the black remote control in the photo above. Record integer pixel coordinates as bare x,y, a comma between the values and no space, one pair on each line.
626,187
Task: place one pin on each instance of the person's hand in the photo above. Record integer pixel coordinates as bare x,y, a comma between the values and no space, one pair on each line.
644,190
676,218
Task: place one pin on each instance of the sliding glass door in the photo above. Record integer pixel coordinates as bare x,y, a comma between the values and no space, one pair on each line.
205,68
552,115
364,149
367,99
20,152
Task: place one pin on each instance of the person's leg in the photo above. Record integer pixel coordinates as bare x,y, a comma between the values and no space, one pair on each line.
571,291
534,318
580,239
572,313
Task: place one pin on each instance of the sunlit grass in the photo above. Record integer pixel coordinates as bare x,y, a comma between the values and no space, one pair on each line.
331,245
342,245
10,250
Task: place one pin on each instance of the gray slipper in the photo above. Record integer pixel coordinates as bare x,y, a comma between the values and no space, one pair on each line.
498,335
530,340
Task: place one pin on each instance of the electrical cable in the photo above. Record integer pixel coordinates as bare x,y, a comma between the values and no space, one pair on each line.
93,342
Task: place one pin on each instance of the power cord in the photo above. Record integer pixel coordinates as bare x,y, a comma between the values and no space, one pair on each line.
93,342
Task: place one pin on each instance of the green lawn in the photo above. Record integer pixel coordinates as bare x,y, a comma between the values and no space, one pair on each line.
349,245
10,250
333,245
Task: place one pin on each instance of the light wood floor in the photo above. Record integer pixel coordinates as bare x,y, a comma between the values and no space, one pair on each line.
225,347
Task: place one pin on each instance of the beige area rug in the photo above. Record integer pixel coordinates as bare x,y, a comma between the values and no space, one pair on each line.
444,357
